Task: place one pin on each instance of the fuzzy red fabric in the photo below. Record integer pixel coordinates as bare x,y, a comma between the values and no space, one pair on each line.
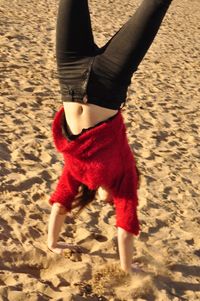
102,157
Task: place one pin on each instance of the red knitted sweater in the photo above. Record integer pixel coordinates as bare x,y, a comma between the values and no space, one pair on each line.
102,157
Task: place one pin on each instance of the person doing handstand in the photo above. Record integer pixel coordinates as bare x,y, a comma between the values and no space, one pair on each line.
89,129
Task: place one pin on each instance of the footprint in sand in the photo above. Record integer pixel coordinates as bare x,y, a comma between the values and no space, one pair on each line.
99,237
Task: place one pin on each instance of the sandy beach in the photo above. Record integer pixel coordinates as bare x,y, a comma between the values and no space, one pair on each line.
163,125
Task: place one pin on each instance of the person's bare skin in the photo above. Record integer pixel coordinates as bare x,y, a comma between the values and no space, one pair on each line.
56,221
82,116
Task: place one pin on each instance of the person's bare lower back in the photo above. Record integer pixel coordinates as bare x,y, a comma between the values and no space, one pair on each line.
82,116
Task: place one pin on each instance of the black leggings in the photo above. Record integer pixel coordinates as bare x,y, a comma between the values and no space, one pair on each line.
96,75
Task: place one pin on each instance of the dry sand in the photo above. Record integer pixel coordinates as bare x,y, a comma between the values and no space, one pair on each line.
162,117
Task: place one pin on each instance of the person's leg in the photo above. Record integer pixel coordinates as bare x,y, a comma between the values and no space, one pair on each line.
74,36
75,48
121,56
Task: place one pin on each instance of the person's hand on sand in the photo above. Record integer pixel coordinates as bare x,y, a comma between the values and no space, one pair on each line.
136,268
61,247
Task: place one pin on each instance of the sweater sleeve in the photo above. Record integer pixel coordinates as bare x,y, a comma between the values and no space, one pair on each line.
126,200
66,189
